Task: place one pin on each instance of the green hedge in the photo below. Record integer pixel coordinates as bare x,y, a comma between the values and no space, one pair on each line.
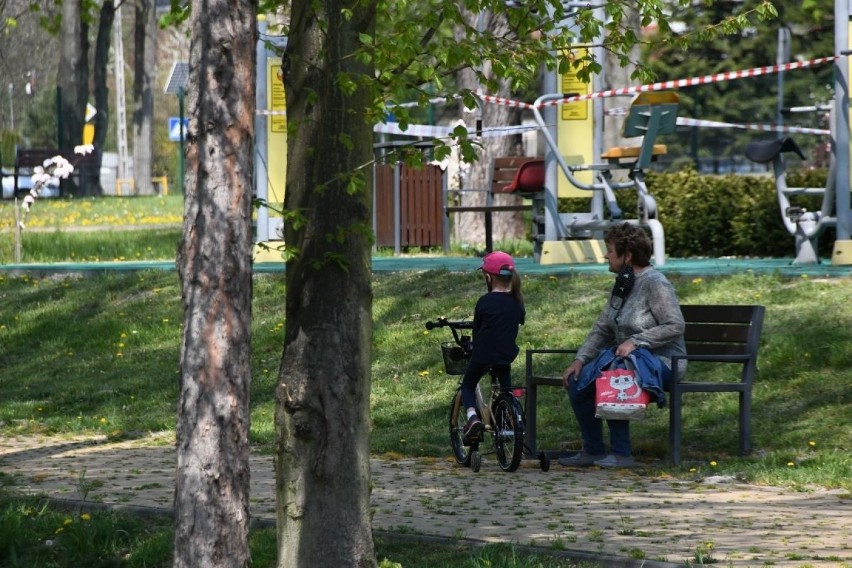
716,216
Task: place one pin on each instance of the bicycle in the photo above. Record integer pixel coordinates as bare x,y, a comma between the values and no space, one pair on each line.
502,416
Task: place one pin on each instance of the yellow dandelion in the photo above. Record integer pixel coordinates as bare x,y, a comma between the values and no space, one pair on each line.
86,517
697,280
791,464
423,373
692,470
402,440
812,443
426,332
67,522
123,335
103,420
713,463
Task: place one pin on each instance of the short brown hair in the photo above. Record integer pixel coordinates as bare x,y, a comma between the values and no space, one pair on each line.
625,237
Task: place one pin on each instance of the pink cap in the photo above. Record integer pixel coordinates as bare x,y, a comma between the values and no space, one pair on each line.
498,262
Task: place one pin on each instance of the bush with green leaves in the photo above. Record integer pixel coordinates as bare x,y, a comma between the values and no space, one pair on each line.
718,216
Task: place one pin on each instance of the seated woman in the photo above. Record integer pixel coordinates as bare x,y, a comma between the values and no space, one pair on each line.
642,321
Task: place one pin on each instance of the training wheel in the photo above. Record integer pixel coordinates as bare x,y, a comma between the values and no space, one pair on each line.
475,461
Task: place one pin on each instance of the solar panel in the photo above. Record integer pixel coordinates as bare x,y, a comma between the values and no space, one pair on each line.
178,78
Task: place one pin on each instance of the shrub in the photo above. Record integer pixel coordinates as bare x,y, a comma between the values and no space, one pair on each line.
717,216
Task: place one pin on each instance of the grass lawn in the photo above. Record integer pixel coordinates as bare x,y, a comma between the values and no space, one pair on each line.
100,354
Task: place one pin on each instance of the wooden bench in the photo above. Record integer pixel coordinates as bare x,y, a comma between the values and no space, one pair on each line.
714,333
519,175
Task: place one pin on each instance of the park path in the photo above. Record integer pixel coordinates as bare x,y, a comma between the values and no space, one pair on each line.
622,514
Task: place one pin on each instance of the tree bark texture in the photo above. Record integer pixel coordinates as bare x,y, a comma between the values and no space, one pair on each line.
470,226
322,397
144,72
215,266
90,177
72,79
616,76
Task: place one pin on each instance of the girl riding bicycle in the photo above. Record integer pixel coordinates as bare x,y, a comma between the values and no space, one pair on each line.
496,319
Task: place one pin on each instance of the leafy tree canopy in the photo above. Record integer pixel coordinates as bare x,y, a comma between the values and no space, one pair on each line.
417,54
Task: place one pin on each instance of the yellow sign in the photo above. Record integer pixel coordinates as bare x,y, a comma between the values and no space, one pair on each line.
276,134
575,131
572,86
277,98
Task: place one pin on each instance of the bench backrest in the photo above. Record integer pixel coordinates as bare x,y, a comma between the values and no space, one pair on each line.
722,329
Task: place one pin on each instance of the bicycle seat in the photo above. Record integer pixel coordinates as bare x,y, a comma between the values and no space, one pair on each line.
762,151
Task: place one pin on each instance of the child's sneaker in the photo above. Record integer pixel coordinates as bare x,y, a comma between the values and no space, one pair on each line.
472,431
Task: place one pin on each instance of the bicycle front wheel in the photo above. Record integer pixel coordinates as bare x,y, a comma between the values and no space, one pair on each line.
509,432
458,418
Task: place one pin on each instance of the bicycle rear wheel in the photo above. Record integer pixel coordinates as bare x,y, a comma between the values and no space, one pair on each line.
458,418
509,432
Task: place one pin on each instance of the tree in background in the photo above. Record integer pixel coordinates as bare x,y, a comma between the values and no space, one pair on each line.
752,100
144,73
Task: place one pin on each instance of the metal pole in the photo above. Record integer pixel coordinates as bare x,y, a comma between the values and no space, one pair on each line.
261,147
841,117
181,165
782,57
11,106
397,246
59,124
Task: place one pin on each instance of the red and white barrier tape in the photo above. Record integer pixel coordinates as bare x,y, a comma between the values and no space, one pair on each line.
663,85
427,131
681,121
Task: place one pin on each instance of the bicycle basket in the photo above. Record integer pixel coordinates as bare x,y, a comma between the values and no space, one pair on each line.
455,361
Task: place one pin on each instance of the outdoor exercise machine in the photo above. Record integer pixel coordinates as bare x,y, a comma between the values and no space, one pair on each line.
806,226
650,115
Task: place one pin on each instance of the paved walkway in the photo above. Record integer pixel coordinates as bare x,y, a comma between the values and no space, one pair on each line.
620,514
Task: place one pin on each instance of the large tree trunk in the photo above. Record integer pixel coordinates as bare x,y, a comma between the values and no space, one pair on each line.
72,80
470,227
214,262
144,72
322,399
90,177
616,76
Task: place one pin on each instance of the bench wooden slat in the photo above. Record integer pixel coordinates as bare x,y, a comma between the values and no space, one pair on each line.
710,333
711,313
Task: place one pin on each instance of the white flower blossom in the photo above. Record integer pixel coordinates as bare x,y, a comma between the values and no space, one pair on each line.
52,169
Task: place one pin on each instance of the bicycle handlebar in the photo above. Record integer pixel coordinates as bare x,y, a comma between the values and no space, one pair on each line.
444,322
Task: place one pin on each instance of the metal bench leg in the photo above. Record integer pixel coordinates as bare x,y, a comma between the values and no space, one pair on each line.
745,422
675,419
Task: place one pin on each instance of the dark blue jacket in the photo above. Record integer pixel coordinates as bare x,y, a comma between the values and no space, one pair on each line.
495,328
